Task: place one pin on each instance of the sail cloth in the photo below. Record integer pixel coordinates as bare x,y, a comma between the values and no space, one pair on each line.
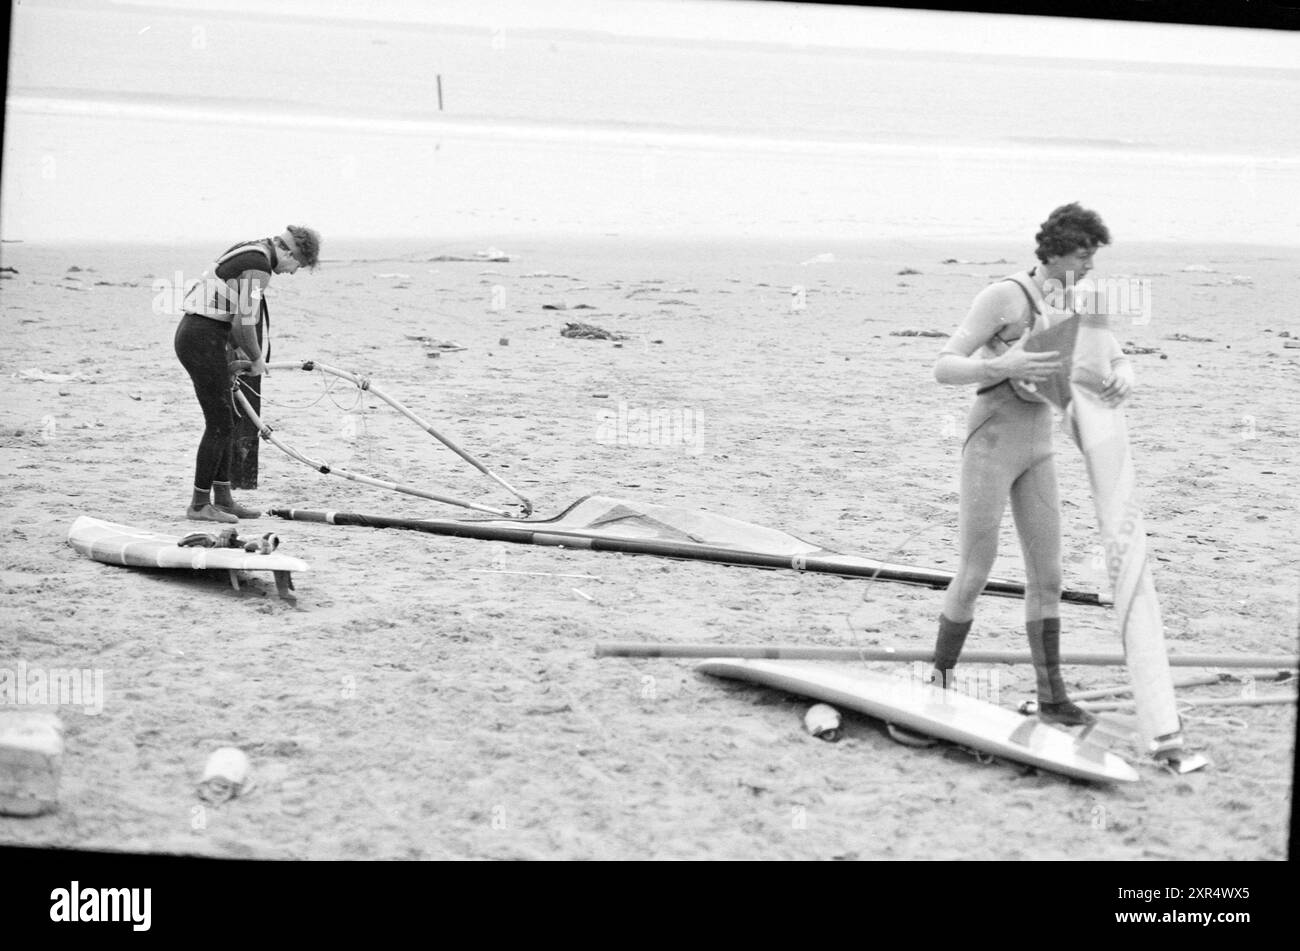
603,523
1101,433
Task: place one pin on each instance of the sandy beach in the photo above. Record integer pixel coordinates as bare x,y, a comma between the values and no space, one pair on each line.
420,700
781,213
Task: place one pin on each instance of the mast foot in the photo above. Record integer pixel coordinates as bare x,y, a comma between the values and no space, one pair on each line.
1181,762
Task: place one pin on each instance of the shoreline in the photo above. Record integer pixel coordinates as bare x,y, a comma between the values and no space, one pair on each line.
469,242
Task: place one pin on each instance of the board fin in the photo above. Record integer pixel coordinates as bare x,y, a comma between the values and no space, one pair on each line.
284,585
906,737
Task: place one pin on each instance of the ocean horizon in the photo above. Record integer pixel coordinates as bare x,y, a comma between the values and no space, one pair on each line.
161,122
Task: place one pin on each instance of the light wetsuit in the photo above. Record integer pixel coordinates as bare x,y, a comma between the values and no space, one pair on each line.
1008,451
1008,454
229,290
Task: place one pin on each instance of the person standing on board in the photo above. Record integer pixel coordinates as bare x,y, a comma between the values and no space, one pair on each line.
226,308
1008,448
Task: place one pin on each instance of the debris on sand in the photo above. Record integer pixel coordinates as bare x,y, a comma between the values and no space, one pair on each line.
1132,348
490,255
36,375
436,346
590,332
1188,338
31,757
917,333
1236,280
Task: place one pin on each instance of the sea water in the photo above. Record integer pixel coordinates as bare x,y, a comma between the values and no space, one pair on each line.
133,122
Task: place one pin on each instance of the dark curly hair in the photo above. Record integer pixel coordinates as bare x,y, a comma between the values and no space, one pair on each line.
308,241
1069,228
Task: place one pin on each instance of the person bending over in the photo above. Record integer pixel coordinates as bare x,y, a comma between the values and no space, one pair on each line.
224,312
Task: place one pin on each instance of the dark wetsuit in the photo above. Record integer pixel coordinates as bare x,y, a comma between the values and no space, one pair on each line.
202,341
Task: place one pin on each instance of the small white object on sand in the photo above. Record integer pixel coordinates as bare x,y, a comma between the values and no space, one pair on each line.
31,758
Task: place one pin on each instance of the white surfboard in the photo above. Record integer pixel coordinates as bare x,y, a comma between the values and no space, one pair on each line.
946,714
116,544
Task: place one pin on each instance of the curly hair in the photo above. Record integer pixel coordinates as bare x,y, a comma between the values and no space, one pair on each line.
308,242
1069,228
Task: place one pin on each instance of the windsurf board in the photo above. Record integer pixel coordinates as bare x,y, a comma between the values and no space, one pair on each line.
116,544
946,714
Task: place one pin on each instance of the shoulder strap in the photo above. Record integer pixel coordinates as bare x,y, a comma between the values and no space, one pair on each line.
241,248
1033,308
1033,304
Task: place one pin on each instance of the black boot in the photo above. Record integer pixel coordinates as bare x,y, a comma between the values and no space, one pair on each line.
223,501
1054,704
947,648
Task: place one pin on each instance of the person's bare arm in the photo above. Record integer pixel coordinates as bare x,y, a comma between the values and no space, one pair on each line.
243,329
957,367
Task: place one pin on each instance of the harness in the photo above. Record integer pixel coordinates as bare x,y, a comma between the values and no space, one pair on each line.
212,297
1034,314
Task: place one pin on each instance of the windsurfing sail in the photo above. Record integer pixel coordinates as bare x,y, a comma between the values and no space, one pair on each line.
366,385
602,523
1101,433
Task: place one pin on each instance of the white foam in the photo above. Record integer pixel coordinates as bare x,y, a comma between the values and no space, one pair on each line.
594,134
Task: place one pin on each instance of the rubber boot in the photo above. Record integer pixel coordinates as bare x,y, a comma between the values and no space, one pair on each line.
1054,704
208,513
223,501
947,648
